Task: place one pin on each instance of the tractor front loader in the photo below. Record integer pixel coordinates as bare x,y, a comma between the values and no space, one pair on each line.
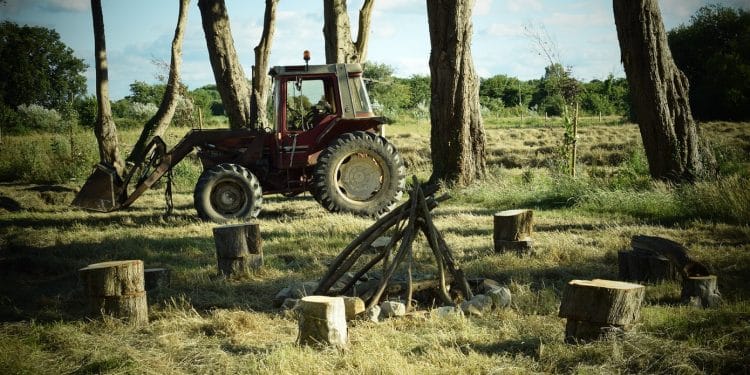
324,139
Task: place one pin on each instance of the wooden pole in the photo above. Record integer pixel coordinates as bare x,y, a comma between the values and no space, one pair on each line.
239,248
322,322
574,151
116,289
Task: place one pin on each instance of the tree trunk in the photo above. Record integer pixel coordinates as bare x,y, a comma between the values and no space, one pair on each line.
340,48
163,117
117,289
104,129
230,78
261,82
659,91
322,321
239,248
457,135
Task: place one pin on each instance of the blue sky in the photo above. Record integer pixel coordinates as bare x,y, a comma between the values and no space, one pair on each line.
139,31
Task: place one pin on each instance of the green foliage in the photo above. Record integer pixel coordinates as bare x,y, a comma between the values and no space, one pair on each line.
712,51
145,93
86,108
37,68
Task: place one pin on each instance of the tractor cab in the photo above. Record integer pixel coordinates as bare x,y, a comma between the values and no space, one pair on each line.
308,101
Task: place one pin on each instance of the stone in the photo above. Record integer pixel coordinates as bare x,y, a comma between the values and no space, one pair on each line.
501,297
470,309
380,243
281,296
446,311
354,306
373,313
290,304
392,308
482,302
488,284
304,289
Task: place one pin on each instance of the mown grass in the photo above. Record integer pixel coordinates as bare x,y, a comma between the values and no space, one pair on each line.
204,324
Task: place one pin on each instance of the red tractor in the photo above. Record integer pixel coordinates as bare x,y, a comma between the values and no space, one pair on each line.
325,139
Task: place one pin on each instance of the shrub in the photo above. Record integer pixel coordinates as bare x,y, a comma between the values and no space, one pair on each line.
37,118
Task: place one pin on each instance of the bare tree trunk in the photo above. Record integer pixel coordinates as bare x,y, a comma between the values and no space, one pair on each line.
457,136
104,129
163,117
230,78
261,83
340,48
660,94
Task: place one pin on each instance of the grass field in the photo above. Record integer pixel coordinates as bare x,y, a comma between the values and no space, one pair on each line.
203,324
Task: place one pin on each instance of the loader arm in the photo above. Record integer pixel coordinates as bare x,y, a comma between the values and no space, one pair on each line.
105,191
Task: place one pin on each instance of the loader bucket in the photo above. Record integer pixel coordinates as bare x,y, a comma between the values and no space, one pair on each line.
101,192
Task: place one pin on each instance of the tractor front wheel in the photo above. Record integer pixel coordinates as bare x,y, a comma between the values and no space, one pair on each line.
226,192
361,173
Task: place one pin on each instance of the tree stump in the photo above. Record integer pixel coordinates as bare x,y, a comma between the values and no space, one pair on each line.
116,289
597,307
701,291
239,248
643,266
322,321
512,231
156,278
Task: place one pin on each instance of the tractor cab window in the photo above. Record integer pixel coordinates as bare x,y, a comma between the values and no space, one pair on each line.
308,101
360,100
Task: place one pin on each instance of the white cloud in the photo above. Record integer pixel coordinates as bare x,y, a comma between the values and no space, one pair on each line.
70,5
502,30
482,7
515,6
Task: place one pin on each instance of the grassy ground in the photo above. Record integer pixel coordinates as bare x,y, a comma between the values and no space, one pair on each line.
204,324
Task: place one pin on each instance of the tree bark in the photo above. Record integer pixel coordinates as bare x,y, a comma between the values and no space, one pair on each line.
163,117
701,291
228,73
105,128
116,288
322,321
239,248
512,230
340,48
261,81
457,136
659,92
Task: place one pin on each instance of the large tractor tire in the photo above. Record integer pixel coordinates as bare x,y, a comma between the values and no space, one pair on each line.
360,173
226,192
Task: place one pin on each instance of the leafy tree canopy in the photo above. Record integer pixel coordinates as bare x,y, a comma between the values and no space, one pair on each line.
713,50
38,68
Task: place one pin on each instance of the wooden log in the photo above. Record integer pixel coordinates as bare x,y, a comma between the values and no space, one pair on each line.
641,266
701,291
322,322
156,278
239,248
512,231
581,332
602,301
116,289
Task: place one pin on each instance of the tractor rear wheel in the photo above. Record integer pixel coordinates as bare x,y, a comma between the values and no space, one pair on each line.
359,172
226,192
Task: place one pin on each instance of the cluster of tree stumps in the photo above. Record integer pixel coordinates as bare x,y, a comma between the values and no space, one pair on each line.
656,259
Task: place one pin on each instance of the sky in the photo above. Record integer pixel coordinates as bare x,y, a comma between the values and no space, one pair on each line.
141,31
